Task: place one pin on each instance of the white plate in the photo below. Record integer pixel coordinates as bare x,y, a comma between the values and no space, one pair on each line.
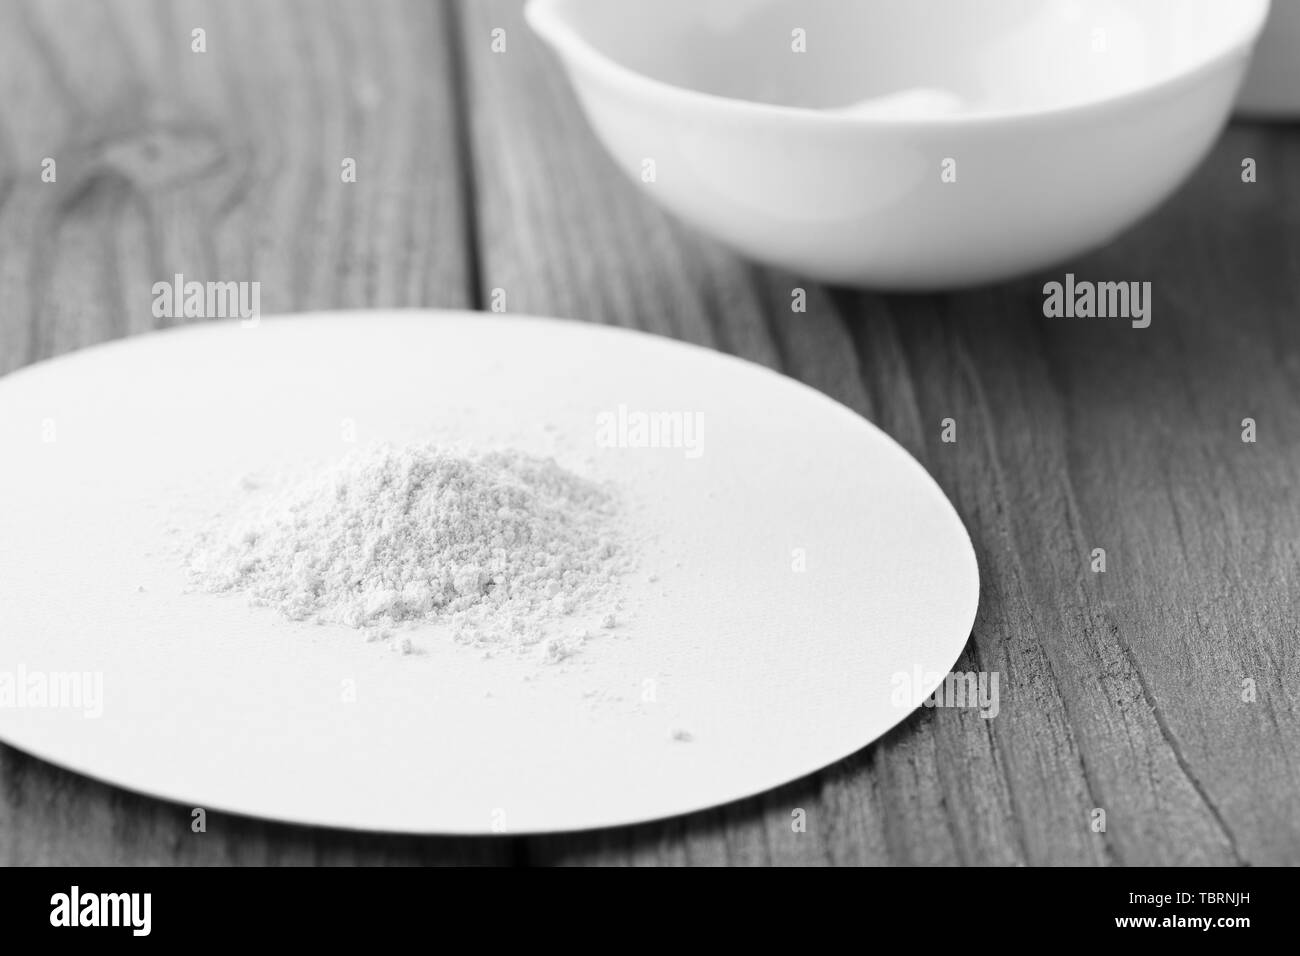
770,672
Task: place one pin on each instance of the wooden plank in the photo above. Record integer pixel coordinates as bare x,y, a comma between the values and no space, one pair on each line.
224,164
1120,691
220,165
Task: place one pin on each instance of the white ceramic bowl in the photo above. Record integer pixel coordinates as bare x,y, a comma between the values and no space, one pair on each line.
1272,89
1067,120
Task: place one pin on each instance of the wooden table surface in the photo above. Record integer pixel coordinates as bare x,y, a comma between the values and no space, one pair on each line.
1121,690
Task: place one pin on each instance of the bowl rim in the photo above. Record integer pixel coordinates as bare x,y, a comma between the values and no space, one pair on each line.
545,19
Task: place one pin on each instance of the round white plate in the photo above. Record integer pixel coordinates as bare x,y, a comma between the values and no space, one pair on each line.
799,574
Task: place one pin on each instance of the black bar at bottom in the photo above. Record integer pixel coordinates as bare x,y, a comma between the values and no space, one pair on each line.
334,906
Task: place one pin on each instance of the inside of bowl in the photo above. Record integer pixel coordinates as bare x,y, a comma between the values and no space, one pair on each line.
938,56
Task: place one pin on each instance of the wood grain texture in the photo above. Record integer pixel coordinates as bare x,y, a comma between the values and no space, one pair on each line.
1120,691
222,164
476,172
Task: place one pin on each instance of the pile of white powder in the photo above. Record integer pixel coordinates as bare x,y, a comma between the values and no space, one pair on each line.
509,551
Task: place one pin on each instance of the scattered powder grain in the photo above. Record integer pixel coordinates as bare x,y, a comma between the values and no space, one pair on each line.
505,549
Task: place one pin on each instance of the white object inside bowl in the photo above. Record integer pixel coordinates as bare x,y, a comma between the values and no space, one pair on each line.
919,101
889,57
